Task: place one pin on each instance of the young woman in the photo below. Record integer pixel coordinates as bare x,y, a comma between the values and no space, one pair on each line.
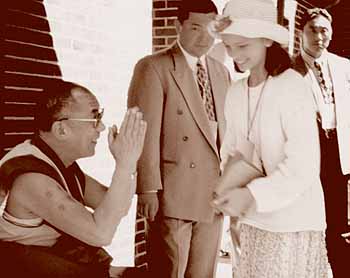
271,120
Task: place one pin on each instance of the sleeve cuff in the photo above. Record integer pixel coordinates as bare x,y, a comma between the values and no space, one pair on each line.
262,196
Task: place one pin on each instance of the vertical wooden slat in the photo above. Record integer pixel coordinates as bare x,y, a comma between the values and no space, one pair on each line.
280,11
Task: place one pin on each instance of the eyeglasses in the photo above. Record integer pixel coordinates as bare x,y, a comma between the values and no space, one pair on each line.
96,120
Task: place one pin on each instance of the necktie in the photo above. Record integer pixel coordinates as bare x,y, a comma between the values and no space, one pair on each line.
327,91
205,90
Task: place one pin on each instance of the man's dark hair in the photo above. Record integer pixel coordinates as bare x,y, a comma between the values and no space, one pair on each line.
310,14
189,6
277,60
57,96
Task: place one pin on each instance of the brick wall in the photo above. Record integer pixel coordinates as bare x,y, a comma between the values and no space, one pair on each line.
28,64
164,14
164,33
301,7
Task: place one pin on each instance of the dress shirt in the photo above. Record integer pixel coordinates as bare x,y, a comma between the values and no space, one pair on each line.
327,111
192,63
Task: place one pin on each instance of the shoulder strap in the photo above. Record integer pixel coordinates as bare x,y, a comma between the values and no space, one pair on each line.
19,165
14,167
75,249
72,177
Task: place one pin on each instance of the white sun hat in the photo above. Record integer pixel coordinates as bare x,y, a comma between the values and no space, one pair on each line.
251,19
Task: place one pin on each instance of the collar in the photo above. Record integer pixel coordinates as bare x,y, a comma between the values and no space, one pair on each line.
191,60
48,151
322,60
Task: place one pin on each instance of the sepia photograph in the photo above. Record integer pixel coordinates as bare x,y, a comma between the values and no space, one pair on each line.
174,138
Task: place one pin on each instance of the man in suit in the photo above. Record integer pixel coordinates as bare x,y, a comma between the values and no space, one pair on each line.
181,92
329,76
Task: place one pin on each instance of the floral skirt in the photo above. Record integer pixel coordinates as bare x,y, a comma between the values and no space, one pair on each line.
267,254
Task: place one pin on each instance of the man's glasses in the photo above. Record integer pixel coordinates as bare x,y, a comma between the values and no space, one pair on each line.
96,120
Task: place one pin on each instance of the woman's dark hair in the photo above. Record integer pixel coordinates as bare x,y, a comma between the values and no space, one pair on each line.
190,6
277,60
56,97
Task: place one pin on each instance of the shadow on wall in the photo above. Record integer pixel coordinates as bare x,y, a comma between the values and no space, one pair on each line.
28,66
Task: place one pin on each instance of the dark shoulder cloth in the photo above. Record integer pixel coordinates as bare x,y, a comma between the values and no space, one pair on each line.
20,165
73,176
96,260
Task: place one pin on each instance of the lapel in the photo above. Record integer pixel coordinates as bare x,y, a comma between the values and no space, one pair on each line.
219,92
300,66
337,77
339,87
183,76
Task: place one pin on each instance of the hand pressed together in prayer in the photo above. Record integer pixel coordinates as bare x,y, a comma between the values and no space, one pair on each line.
126,144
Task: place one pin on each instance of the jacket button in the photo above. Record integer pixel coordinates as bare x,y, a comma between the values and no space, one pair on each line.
185,138
179,112
192,165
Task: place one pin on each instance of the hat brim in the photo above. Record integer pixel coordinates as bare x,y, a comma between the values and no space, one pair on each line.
252,28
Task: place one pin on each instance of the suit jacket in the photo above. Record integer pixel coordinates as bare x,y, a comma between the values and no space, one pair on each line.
180,157
340,75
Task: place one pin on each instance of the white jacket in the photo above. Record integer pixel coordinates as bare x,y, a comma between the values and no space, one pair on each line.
290,197
340,74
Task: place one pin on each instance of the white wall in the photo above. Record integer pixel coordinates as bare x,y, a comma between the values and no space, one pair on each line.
97,43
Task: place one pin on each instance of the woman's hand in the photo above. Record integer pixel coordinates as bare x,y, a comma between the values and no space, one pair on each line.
127,144
237,202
